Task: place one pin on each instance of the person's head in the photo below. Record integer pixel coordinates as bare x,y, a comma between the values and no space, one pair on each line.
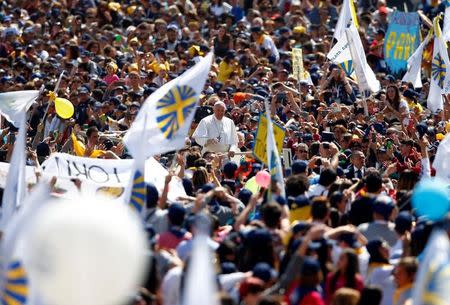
230,169
406,147
405,271
378,250
320,209
299,167
327,177
191,157
219,110
310,273
370,296
152,195
302,151
348,263
199,177
358,159
393,94
250,290
383,208
345,296
338,201
296,185
135,79
176,214
92,135
403,223
407,180
264,272
271,214
374,182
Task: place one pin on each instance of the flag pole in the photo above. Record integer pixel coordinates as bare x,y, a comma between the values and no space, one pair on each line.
55,91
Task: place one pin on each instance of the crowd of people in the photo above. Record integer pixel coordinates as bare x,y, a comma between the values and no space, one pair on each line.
343,233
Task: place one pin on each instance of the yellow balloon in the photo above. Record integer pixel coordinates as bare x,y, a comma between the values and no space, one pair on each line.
64,108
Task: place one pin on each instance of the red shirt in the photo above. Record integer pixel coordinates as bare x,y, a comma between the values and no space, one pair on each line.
313,298
168,240
359,285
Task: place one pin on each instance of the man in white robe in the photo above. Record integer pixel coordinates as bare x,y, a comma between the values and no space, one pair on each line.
216,132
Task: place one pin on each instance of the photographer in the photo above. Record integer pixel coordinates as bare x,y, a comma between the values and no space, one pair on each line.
337,87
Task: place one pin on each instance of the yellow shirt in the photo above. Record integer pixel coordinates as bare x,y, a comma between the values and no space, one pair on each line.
79,148
225,70
155,66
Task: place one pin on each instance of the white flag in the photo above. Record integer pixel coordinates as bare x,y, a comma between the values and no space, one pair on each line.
273,157
200,280
446,29
12,104
442,161
15,187
167,114
432,280
413,74
16,284
440,71
346,15
364,74
340,55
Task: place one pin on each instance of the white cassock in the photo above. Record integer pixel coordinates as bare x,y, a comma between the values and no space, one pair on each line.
224,131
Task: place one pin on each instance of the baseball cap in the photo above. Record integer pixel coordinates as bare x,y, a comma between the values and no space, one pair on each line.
403,222
310,267
172,26
264,272
383,205
299,167
82,90
350,239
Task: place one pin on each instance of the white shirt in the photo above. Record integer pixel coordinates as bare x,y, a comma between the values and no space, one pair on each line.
382,277
268,44
224,131
317,190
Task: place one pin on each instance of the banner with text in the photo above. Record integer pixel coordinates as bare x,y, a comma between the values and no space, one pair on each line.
297,64
260,147
105,177
401,40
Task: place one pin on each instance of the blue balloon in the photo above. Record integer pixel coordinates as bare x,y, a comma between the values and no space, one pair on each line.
431,199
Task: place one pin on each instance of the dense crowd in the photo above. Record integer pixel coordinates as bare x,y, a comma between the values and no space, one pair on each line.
345,231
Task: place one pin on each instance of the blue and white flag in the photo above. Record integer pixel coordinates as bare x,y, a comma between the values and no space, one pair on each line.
340,55
440,71
167,114
273,157
16,288
432,284
366,79
414,73
446,28
442,161
347,14
138,196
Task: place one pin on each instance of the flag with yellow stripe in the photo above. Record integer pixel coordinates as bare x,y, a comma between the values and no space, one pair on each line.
138,190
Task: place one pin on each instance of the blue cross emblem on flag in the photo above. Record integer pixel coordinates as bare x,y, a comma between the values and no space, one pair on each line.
438,70
174,108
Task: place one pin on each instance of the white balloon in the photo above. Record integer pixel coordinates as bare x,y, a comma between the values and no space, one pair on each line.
86,252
